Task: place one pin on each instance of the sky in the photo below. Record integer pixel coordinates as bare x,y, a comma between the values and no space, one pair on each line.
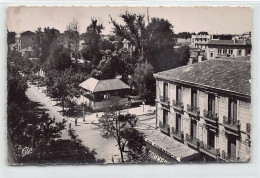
215,20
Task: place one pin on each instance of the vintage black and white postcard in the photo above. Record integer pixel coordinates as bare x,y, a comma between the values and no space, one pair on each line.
128,85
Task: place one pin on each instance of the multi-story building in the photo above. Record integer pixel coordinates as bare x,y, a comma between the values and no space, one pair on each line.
206,105
226,48
200,41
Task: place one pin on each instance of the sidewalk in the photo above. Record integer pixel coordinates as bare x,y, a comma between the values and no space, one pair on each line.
89,133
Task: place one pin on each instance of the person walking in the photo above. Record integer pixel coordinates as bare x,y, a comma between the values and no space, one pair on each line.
69,125
76,121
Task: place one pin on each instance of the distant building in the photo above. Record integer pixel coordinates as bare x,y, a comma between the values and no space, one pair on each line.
244,36
226,48
207,106
182,42
200,41
128,46
25,40
98,93
196,55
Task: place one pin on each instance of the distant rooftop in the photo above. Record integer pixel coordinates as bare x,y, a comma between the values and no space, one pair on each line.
27,33
229,42
95,85
224,74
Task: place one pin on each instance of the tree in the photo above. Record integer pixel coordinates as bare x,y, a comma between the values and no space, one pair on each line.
203,33
184,53
134,31
92,39
72,39
43,42
10,37
121,128
153,42
160,44
144,82
59,58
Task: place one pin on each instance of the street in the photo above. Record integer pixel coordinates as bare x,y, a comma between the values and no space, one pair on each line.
89,133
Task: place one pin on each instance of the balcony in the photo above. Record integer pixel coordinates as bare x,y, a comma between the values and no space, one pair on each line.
193,110
209,150
177,105
228,158
231,124
194,142
165,128
177,134
211,117
164,100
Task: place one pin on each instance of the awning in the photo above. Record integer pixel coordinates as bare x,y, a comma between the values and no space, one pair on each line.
168,145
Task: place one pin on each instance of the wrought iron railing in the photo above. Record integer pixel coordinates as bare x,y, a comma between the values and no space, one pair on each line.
231,123
193,109
210,149
192,140
229,157
210,116
164,100
164,127
177,133
177,104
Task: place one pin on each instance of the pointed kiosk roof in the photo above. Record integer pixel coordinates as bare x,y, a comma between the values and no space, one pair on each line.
95,85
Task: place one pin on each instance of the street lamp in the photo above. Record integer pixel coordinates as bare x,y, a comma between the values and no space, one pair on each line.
83,107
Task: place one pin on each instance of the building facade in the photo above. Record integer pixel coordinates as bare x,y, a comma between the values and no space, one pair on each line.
200,41
207,107
226,48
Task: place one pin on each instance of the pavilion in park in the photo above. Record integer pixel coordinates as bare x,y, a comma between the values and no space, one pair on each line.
97,94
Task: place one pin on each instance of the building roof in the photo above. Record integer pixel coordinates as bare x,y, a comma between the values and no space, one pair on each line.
27,33
229,42
95,85
219,74
184,42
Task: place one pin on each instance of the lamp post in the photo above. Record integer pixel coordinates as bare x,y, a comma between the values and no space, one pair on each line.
143,105
83,107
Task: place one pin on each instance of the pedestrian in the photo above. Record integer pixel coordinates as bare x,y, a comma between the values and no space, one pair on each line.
76,121
70,125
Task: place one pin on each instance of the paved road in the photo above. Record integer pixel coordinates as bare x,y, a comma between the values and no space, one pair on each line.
88,133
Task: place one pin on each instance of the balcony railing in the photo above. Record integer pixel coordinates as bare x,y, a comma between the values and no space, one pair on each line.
209,116
177,134
177,105
192,141
231,124
165,100
227,157
165,128
209,149
194,110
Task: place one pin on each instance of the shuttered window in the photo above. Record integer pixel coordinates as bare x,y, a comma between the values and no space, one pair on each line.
165,90
178,93
165,117
232,109
194,98
211,103
178,122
